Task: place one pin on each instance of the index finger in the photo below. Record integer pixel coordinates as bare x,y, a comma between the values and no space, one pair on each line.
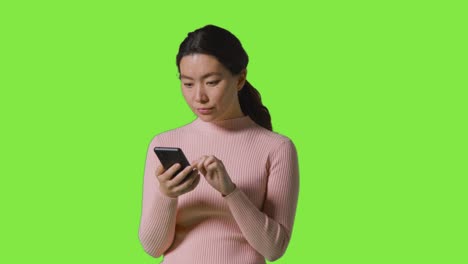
159,170
170,172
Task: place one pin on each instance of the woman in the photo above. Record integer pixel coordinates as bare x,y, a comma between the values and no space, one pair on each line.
236,202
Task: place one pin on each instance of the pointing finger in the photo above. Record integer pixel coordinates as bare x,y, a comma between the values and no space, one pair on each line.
169,173
159,170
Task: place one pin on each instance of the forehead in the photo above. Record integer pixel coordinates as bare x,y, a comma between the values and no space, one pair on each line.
196,65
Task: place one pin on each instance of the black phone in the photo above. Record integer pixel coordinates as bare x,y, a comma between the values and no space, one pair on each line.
169,156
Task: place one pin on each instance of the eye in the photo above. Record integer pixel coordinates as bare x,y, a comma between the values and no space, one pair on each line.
188,85
213,83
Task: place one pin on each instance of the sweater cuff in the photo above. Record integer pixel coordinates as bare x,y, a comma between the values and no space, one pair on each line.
233,194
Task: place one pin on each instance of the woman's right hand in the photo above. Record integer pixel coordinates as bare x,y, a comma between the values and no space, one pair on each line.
174,185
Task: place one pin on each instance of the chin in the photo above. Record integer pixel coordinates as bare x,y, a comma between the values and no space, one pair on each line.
207,118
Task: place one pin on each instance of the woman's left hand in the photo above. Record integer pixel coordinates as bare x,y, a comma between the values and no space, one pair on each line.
215,174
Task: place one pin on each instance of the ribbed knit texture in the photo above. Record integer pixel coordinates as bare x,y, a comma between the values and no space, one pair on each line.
251,224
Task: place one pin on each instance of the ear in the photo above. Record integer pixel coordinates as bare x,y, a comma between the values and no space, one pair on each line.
242,79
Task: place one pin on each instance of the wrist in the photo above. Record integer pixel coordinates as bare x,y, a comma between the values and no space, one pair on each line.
167,195
230,190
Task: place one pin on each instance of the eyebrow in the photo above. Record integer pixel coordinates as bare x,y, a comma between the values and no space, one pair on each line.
203,77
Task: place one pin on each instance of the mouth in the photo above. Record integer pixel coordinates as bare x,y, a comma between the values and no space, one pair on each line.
204,111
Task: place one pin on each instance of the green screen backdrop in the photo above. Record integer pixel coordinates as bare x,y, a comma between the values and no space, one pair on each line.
372,93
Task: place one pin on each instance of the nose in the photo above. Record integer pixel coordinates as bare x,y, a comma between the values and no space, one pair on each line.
200,95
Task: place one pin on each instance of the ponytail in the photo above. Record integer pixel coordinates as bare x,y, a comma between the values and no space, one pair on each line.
251,105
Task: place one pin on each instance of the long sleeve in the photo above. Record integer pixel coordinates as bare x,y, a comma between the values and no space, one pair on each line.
158,216
269,231
250,225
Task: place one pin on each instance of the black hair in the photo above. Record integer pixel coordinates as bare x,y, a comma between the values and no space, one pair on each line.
227,49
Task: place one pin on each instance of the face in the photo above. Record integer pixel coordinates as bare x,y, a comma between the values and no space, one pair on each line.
209,88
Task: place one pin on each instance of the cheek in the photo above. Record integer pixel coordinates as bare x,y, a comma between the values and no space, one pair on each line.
229,94
186,95
219,97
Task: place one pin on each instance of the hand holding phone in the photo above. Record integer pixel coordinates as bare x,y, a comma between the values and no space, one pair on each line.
174,182
170,156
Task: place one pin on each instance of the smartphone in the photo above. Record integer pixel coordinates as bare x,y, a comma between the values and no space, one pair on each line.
170,156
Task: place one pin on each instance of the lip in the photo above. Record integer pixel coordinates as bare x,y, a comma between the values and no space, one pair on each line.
204,111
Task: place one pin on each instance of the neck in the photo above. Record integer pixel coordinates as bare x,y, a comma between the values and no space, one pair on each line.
227,125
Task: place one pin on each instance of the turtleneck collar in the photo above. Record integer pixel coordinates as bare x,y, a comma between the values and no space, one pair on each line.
228,125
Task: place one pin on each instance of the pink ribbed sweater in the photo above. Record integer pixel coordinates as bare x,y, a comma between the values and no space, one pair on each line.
252,223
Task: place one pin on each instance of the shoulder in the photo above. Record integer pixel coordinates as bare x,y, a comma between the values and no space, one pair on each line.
271,137
171,134
272,142
279,149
